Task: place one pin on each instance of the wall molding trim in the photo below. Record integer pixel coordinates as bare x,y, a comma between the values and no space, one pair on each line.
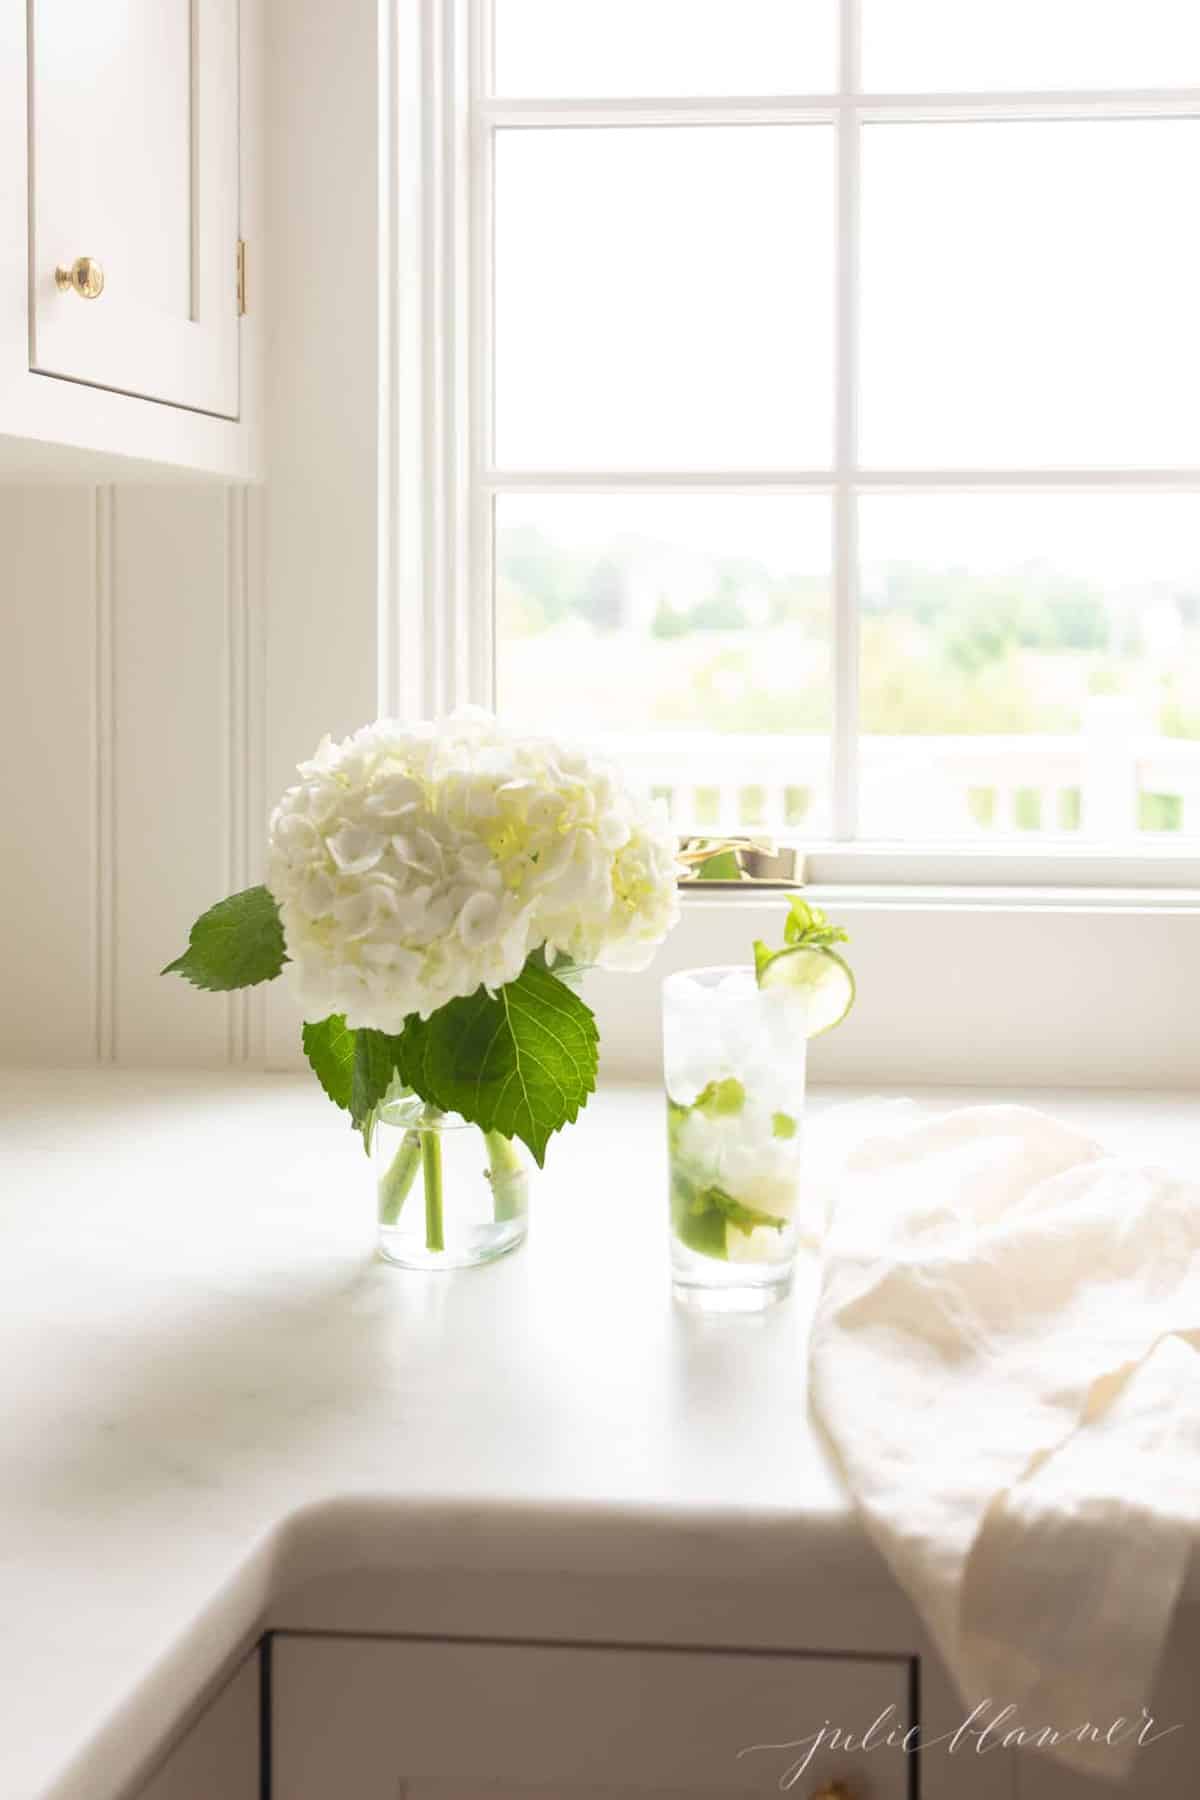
236,738
104,775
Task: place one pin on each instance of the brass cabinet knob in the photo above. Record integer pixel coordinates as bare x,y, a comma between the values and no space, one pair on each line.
85,277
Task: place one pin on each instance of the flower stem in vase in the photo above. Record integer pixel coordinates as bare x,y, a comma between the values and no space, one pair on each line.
507,1176
431,1171
396,1185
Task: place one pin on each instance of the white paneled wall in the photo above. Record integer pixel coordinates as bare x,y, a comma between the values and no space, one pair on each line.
51,786
131,686
168,653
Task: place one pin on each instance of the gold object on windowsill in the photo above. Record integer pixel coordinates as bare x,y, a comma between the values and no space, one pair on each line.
737,862
85,277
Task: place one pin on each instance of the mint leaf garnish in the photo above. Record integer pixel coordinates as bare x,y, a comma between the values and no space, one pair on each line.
808,925
237,943
329,1047
521,1062
703,1232
720,1099
744,1218
697,1223
700,1215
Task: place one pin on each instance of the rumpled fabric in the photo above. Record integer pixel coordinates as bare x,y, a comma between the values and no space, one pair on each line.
1005,1359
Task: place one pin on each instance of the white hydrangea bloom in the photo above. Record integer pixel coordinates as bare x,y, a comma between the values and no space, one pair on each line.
413,863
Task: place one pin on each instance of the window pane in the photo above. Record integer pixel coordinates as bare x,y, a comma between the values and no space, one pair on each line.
664,297
1031,663
689,633
665,47
920,46
1030,294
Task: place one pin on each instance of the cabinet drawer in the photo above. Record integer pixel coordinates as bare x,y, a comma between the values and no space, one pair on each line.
439,1720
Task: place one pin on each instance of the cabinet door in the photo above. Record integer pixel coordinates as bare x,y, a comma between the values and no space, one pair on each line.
436,1720
219,1758
133,124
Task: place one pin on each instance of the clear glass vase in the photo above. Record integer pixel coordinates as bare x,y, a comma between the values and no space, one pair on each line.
450,1195
734,1056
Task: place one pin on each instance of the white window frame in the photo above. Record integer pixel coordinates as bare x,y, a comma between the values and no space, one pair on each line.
436,616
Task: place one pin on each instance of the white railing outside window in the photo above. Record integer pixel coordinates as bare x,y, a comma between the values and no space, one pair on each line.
1097,783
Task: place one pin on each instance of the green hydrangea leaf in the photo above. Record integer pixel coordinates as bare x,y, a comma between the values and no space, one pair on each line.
237,943
330,1047
377,1061
355,1068
521,1061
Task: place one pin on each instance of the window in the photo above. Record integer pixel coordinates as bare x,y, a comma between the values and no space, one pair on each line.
819,418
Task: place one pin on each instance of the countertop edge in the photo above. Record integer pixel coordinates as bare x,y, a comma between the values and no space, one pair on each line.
432,1533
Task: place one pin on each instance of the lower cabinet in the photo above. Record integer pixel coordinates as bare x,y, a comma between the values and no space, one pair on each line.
1166,1735
409,1718
371,1719
1161,1770
219,1758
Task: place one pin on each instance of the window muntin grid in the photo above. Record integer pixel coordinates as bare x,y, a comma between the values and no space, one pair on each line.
849,113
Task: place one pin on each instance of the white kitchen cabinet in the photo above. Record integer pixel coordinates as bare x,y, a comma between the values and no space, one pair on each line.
134,137
128,218
368,1718
218,1758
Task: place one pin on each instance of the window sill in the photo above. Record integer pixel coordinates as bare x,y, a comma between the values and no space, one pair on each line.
1002,897
997,986
1009,866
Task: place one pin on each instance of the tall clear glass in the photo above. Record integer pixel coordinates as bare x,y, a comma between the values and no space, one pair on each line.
734,1057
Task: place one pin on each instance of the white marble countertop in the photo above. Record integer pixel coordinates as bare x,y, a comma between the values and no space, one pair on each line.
198,1344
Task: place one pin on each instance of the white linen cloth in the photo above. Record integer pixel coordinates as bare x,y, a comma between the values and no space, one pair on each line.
1005,1357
